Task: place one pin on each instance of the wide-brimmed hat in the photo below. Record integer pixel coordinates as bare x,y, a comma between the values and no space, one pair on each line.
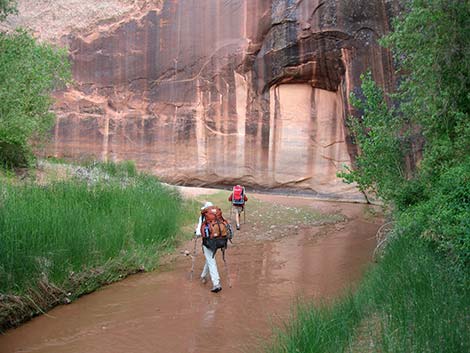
207,204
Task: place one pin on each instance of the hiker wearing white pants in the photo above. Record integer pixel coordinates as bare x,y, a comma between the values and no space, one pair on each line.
210,265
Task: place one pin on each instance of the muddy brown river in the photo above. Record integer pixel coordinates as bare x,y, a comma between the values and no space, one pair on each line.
164,311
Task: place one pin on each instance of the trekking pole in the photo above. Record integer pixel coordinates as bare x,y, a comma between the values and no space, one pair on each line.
193,259
226,270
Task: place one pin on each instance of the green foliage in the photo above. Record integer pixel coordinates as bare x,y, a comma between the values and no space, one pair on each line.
443,215
432,50
380,166
319,328
29,71
75,226
419,299
7,7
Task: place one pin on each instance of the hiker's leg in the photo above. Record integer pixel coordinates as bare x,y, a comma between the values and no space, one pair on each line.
237,217
212,266
205,270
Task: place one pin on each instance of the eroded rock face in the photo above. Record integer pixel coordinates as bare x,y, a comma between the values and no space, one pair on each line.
212,92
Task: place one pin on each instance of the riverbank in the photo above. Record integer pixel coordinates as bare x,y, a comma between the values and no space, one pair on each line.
85,227
413,300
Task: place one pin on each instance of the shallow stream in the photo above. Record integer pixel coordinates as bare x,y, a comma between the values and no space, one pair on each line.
164,311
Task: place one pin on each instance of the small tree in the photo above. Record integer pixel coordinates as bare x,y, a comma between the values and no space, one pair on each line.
380,166
29,72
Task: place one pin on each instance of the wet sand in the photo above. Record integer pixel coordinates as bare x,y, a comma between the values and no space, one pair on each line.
164,311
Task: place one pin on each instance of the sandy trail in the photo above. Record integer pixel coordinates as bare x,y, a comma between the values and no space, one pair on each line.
269,266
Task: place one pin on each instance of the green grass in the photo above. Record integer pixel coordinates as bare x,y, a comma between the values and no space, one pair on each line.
412,301
69,227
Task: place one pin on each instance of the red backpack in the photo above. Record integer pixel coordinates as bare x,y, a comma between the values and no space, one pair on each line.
214,225
238,196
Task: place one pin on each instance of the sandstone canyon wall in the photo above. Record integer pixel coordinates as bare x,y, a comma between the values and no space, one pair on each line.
211,92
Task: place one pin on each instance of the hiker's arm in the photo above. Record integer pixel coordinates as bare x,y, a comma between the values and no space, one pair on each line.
245,198
230,197
197,231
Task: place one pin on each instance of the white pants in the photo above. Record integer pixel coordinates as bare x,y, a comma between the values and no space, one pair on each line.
210,266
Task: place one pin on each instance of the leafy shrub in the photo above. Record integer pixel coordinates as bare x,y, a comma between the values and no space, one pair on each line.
380,166
443,216
29,71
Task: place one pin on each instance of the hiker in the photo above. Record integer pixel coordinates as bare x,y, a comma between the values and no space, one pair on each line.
238,199
215,231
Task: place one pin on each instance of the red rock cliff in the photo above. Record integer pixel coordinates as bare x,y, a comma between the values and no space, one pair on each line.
207,92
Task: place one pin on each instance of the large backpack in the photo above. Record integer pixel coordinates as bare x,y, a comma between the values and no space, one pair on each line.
215,229
238,195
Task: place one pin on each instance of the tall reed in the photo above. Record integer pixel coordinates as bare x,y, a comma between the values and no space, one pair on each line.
51,232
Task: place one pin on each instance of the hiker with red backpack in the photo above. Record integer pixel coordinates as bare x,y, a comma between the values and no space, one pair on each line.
215,231
238,199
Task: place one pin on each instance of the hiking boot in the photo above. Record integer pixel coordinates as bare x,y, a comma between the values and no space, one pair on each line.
203,280
238,227
216,289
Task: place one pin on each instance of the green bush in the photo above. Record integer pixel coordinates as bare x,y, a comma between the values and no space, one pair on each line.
443,214
380,165
29,71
